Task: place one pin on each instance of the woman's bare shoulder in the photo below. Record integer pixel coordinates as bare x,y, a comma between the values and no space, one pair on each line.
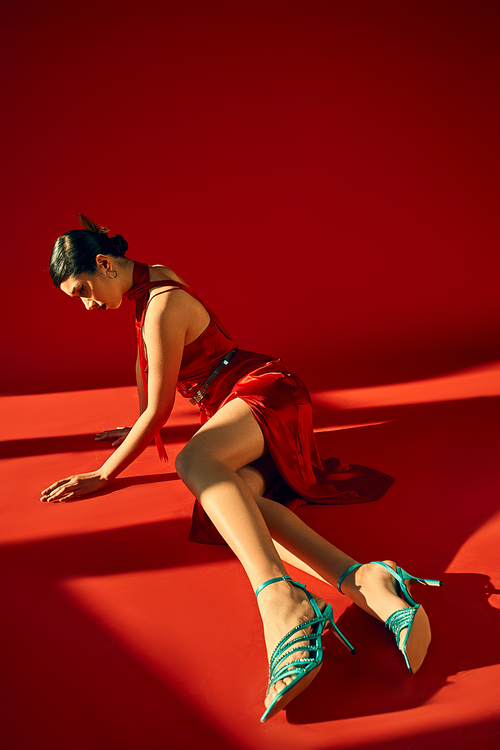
179,304
163,273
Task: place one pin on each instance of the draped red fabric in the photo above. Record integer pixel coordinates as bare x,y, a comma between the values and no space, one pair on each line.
293,469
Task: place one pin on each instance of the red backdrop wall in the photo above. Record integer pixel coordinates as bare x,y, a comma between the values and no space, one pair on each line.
325,174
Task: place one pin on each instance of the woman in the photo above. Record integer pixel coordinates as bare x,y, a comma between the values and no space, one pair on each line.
254,452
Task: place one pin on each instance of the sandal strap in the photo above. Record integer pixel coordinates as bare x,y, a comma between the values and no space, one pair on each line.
403,618
293,668
402,576
275,580
289,645
285,643
345,574
278,667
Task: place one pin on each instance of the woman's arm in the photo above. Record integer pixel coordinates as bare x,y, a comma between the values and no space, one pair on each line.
167,321
164,336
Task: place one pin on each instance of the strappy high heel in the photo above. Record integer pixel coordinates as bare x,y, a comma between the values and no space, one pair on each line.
303,670
414,618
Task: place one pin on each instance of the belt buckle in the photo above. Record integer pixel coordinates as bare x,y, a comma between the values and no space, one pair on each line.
198,396
201,393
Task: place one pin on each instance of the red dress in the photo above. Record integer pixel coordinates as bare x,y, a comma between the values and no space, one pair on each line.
281,405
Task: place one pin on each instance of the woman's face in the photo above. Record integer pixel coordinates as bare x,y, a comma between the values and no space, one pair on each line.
97,292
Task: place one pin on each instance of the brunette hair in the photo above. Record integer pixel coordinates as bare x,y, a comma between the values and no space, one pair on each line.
74,252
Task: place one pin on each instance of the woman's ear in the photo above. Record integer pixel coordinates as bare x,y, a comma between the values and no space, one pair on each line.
103,262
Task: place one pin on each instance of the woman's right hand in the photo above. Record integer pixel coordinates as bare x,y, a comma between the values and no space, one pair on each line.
118,435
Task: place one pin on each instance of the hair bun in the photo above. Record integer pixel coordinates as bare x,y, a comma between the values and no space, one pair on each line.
119,244
91,225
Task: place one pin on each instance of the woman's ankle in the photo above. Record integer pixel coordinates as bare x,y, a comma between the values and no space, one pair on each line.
372,588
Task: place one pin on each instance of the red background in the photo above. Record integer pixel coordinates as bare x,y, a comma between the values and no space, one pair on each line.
325,174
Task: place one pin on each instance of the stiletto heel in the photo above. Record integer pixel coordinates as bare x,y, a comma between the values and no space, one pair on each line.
303,670
404,576
413,618
334,629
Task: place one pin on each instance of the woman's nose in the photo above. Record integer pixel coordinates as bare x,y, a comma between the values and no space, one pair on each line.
89,304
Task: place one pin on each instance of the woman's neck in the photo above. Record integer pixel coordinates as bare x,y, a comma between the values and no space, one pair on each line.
126,270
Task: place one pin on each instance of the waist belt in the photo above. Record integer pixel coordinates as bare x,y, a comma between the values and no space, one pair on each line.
200,394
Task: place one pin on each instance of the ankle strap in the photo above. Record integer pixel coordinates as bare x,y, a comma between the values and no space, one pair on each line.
271,580
345,574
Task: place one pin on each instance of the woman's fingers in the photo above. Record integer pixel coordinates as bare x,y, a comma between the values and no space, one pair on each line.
106,435
57,484
50,490
119,432
59,498
75,486
59,490
56,496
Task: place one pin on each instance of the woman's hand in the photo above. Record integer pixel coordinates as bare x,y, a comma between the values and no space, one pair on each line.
73,487
117,435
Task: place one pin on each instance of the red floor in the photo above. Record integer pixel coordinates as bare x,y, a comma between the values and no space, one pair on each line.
118,633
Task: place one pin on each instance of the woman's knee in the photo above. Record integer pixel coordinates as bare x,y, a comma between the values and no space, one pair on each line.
253,479
195,463
184,463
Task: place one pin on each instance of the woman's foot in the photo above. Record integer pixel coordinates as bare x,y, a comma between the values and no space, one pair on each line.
283,607
375,590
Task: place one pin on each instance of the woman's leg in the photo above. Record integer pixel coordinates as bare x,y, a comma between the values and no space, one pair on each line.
208,465
371,587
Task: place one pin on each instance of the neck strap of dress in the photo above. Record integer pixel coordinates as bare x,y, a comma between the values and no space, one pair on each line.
141,286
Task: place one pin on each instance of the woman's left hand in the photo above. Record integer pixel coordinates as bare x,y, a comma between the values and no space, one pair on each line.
73,487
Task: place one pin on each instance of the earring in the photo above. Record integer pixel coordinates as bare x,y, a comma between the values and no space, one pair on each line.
112,274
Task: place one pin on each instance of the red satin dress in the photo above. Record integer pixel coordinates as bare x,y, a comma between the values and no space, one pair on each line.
293,470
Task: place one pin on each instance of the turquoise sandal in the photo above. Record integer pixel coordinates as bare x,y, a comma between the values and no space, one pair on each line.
414,618
303,670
